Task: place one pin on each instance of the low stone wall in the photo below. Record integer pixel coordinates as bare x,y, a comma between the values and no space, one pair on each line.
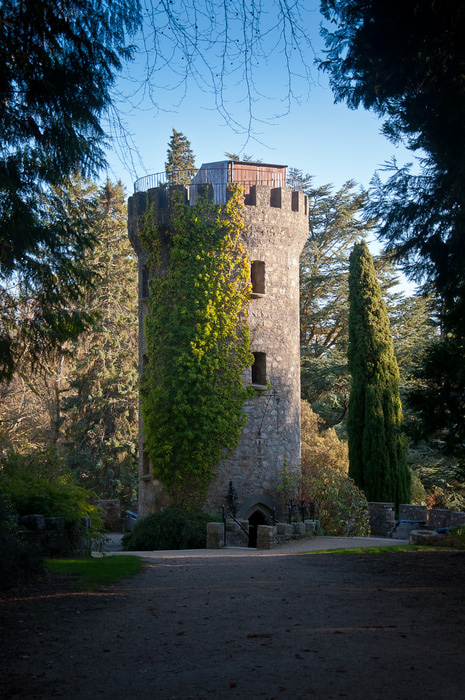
412,517
410,512
52,537
382,518
267,535
438,518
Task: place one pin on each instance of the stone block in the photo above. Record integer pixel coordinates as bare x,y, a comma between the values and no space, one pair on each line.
403,528
411,512
283,529
382,517
298,529
56,524
439,517
215,535
32,522
457,519
266,536
310,527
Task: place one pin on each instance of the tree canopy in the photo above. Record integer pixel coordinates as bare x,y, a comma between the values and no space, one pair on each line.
59,61
335,223
404,59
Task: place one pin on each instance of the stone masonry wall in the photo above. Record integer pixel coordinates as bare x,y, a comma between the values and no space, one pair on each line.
271,436
276,227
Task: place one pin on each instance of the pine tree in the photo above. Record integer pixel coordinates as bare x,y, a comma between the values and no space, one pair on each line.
377,448
101,414
59,62
180,165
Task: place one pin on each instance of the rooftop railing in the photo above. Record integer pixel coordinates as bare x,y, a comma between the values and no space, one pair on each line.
220,175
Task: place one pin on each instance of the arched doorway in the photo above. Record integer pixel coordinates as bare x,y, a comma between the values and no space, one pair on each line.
257,518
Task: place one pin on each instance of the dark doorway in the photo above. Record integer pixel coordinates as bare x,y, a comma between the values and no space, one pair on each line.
257,518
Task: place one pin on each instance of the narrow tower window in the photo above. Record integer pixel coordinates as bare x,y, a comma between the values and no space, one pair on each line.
145,464
145,283
257,278
259,369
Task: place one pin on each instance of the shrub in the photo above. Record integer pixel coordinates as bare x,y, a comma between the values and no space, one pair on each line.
342,506
172,528
455,539
30,493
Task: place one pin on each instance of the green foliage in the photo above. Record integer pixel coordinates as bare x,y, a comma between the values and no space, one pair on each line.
438,398
92,574
377,448
417,490
19,561
371,550
342,506
197,343
290,483
180,166
38,304
100,409
59,62
441,476
82,398
405,61
454,539
172,528
31,492
336,221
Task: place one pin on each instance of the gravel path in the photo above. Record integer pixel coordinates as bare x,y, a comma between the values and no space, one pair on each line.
246,624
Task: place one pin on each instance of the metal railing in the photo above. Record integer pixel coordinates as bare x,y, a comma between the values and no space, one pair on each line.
220,175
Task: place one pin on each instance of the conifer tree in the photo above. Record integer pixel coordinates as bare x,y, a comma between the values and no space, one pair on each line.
377,448
101,412
180,165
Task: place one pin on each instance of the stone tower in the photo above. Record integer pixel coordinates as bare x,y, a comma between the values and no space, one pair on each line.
276,228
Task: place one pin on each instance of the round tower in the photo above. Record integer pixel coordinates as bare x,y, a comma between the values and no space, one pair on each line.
276,228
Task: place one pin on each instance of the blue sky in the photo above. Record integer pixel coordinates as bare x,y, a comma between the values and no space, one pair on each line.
326,140
317,136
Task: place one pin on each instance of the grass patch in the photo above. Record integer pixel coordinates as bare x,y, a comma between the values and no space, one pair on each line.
374,550
91,574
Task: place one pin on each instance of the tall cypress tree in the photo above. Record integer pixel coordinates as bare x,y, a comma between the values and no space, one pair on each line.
377,448
180,164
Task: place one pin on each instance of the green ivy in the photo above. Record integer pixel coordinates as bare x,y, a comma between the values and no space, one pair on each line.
197,342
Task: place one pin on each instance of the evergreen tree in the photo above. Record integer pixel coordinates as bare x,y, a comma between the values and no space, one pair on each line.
101,412
59,61
404,60
180,165
377,448
334,226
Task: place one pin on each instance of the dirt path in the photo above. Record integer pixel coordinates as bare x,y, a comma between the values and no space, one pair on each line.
246,625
